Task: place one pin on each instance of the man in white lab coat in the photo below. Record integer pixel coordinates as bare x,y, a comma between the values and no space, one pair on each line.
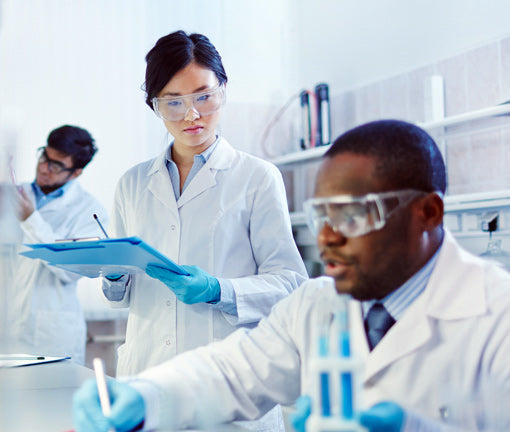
440,363
48,317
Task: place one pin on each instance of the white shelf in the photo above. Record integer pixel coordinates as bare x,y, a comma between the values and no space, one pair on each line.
301,156
467,117
317,152
477,201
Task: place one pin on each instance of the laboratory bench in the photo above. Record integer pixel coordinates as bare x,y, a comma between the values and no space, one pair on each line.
39,397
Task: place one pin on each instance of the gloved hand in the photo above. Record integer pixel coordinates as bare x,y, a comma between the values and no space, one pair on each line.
383,417
198,287
128,408
303,410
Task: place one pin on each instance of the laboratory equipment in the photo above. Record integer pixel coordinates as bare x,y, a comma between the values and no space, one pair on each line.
323,115
308,119
494,250
336,377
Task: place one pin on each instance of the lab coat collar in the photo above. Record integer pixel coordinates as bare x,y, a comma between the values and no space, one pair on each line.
455,290
160,184
73,191
221,159
458,281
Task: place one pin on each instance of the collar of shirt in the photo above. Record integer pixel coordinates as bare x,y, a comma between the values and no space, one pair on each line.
199,161
41,199
399,300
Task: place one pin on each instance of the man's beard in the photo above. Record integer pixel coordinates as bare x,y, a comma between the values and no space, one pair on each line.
50,188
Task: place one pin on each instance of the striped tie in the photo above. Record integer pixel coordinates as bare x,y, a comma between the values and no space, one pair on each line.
377,323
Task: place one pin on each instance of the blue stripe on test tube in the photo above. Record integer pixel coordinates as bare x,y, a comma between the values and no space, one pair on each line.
324,380
346,379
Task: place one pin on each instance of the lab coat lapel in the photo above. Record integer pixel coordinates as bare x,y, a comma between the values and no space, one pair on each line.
221,158
446,297
160,184
407,335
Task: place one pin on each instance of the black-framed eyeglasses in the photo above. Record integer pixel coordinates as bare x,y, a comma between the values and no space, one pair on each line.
55,167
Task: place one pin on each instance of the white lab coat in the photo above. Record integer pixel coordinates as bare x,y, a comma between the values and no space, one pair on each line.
49,317
448,354
232,221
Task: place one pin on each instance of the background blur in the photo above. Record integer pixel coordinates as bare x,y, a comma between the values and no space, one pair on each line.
82,62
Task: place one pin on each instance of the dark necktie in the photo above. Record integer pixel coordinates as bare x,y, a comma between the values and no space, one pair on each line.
377,323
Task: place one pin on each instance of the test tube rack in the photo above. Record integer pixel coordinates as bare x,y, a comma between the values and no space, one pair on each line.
336,378
335,404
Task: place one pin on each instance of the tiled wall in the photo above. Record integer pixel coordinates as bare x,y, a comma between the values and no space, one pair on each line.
477,154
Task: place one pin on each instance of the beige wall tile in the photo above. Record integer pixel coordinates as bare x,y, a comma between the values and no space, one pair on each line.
454,73
504,47
483,76
394,98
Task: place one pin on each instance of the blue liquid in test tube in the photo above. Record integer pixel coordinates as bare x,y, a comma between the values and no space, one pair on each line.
346,379
324,379
344,344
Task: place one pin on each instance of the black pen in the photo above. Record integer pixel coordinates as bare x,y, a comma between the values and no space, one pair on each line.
100,226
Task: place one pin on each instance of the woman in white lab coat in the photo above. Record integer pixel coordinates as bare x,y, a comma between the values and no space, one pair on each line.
203,204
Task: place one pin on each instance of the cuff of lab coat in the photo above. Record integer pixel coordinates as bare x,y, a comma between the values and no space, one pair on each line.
150,395
227,301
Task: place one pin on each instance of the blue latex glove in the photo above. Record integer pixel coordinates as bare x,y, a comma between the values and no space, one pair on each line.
303,410
199,286
128,408
383,417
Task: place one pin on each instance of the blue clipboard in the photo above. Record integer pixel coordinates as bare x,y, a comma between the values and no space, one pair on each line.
95,258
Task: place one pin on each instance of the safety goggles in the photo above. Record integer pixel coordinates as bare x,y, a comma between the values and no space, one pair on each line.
55,167
355,216
176,108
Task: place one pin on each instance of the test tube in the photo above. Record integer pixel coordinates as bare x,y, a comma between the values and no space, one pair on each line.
344,345
324,376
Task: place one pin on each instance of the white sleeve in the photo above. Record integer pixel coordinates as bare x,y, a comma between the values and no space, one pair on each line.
280,267
37,230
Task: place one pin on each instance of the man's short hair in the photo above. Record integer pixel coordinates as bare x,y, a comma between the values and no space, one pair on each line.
408,157
75,142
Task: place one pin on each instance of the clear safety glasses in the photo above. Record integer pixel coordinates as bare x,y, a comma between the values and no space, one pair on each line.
355,216
176,108
55,167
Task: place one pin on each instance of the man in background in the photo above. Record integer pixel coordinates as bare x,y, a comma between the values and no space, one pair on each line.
48,315
429,320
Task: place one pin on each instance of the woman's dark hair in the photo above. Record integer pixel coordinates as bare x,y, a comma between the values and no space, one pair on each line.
75,142
174,52
407,156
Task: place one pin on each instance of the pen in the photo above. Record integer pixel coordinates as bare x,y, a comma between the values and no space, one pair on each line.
102,388
100,226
